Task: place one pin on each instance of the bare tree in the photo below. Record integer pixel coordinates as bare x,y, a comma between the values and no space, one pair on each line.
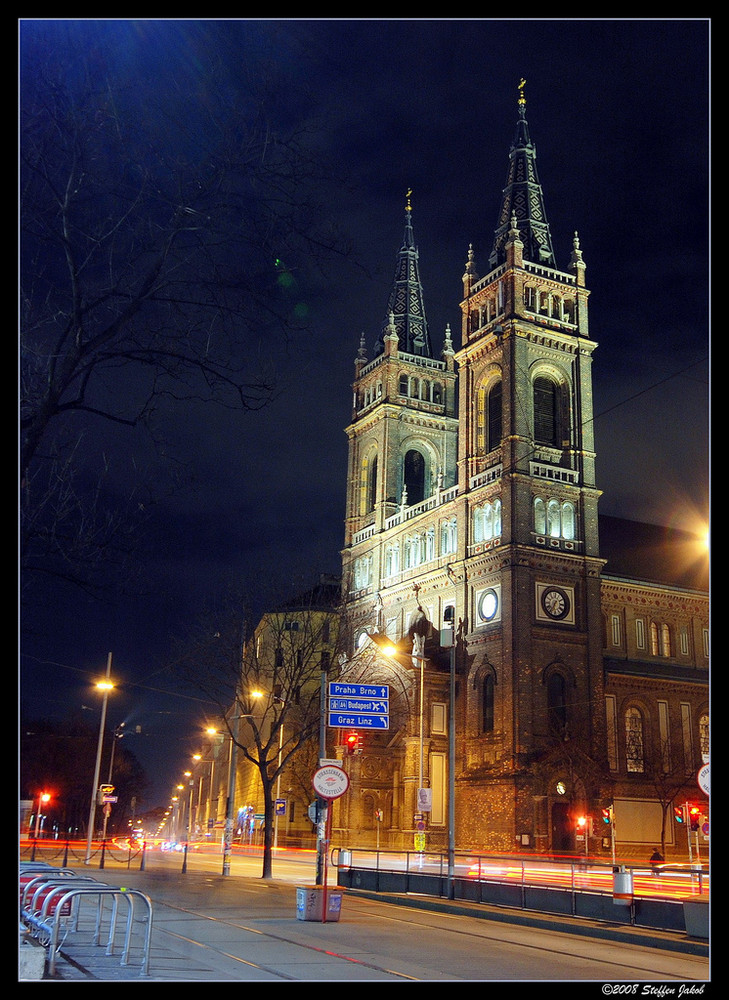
666,771
265,681
167,243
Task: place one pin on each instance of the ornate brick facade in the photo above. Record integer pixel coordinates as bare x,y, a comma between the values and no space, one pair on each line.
484,517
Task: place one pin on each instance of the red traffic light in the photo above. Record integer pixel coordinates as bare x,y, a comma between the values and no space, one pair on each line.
678,814
694,817
351,742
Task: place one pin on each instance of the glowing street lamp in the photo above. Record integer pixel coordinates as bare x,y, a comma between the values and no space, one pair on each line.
42,799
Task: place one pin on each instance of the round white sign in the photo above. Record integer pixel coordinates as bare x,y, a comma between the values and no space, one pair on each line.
703,778
330,782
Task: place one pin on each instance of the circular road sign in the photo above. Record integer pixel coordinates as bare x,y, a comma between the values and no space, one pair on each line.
330,782
703,779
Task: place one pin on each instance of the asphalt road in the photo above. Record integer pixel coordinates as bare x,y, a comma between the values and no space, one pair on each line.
214,928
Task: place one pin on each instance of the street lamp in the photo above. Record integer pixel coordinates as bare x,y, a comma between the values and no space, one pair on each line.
116,736
106,686
447,641
43,797
389,649
232,765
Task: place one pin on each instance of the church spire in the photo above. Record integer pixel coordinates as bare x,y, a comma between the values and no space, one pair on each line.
523,199
405,307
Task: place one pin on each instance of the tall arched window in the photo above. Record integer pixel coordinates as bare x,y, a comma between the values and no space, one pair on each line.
487,704
494,417
540,516
634,746
372,485
414,476
546,412
554,525
488,418
556,703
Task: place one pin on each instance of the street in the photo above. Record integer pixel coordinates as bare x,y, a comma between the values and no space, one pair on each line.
238,928
210,927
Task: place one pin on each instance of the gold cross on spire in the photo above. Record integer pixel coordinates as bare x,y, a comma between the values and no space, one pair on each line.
522,85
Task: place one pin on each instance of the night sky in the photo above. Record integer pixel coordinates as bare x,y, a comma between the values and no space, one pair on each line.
619,113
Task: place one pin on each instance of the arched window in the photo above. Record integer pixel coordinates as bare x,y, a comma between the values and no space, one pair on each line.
546,412
556,703
494,417
487,704
487,521
554,526
414,476
568,521
392,559
660,639
449,537
488,418
634,746
665,640
558,520
372,485
540,516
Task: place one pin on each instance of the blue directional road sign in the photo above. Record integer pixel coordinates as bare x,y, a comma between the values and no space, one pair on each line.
359,706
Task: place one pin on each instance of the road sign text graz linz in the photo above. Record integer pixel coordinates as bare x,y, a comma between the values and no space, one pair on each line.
341,720
359,706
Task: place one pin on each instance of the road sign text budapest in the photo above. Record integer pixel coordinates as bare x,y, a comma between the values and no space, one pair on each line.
359,706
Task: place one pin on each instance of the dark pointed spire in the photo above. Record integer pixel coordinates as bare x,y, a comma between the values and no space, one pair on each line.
523,199
405,307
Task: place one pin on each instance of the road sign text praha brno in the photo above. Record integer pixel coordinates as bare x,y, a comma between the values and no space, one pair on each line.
339,690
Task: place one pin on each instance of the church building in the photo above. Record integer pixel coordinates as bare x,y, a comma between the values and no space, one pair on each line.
473,541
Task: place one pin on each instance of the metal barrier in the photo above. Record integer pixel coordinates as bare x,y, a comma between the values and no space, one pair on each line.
51,900
567,886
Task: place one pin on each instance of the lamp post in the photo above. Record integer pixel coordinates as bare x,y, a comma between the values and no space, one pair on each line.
278,785
106,686
43,797
393,652
232,766
116,736
447,641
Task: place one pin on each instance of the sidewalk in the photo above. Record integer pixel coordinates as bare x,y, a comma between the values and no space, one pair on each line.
211,928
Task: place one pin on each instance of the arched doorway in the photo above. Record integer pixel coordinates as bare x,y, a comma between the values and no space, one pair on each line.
561,828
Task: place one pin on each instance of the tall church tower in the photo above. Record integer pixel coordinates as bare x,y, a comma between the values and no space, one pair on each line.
484,514
402,437
530,576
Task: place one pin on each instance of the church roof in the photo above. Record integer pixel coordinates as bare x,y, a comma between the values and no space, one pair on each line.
406,307
652,553
523,200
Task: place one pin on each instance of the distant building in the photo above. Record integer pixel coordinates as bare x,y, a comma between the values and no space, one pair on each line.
582,642
292,646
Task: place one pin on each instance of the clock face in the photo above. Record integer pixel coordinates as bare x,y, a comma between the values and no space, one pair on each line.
555,603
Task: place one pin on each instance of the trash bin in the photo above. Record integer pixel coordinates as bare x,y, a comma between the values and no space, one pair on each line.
310,902
622,886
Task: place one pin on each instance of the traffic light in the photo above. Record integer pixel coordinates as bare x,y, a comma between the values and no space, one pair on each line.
678,814
607,815
351,743
694,817
581,824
